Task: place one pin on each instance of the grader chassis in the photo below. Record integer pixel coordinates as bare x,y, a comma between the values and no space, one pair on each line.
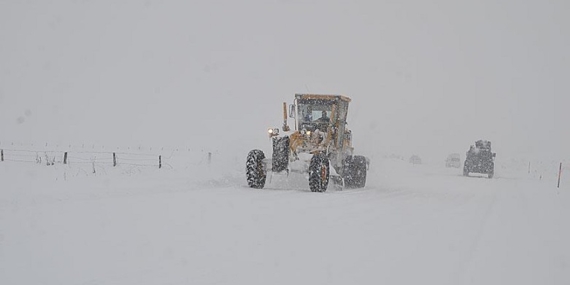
320,146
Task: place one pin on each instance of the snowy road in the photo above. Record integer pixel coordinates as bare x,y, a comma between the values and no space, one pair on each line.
410,225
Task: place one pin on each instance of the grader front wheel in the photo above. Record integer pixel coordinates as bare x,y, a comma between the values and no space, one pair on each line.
319,172
255,170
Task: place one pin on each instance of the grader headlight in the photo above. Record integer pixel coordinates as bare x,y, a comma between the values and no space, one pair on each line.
273,132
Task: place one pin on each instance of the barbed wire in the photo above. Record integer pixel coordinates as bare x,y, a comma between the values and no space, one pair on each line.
81,152
18,160
91,162
22,155
71,158
33,151
135,164
137,159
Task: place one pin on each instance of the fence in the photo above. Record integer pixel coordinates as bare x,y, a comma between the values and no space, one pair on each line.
93,159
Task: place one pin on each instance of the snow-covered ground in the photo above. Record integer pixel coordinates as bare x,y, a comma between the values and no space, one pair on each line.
426,78
200,224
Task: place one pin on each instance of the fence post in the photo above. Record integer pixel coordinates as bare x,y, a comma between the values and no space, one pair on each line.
160,161
1,155
529,167
559,174
114,160
65,157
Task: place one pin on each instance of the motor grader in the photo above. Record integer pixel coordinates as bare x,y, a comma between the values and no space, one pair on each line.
320,146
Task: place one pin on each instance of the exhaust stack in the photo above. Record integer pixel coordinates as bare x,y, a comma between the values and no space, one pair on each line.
285,126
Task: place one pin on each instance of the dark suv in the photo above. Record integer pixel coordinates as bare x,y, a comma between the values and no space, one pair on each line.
480,159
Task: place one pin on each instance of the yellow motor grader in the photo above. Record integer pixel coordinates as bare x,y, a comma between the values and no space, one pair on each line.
320,146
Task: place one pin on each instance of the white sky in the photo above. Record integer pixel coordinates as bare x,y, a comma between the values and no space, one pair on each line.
426,77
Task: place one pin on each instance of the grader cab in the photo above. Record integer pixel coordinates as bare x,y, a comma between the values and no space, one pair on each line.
320,145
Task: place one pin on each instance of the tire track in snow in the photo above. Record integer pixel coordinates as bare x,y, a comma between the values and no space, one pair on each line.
462,266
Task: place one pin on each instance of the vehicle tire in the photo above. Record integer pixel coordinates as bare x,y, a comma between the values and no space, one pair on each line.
319,171
491,171
280,156
360,166
354,171
347,172
255,170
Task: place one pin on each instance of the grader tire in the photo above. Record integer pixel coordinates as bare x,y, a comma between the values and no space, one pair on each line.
319,172
255,170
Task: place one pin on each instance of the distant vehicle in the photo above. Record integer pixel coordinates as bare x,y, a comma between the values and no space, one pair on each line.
480,159
414,159
453,160
395,156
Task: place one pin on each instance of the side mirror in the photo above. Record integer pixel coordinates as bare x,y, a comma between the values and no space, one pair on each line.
291,111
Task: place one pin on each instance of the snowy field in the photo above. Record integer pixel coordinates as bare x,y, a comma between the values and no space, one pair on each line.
425,78
412,224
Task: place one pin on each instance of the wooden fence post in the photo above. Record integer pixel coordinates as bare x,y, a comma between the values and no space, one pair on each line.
559,174
65,157
160,161
114,160
529,167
